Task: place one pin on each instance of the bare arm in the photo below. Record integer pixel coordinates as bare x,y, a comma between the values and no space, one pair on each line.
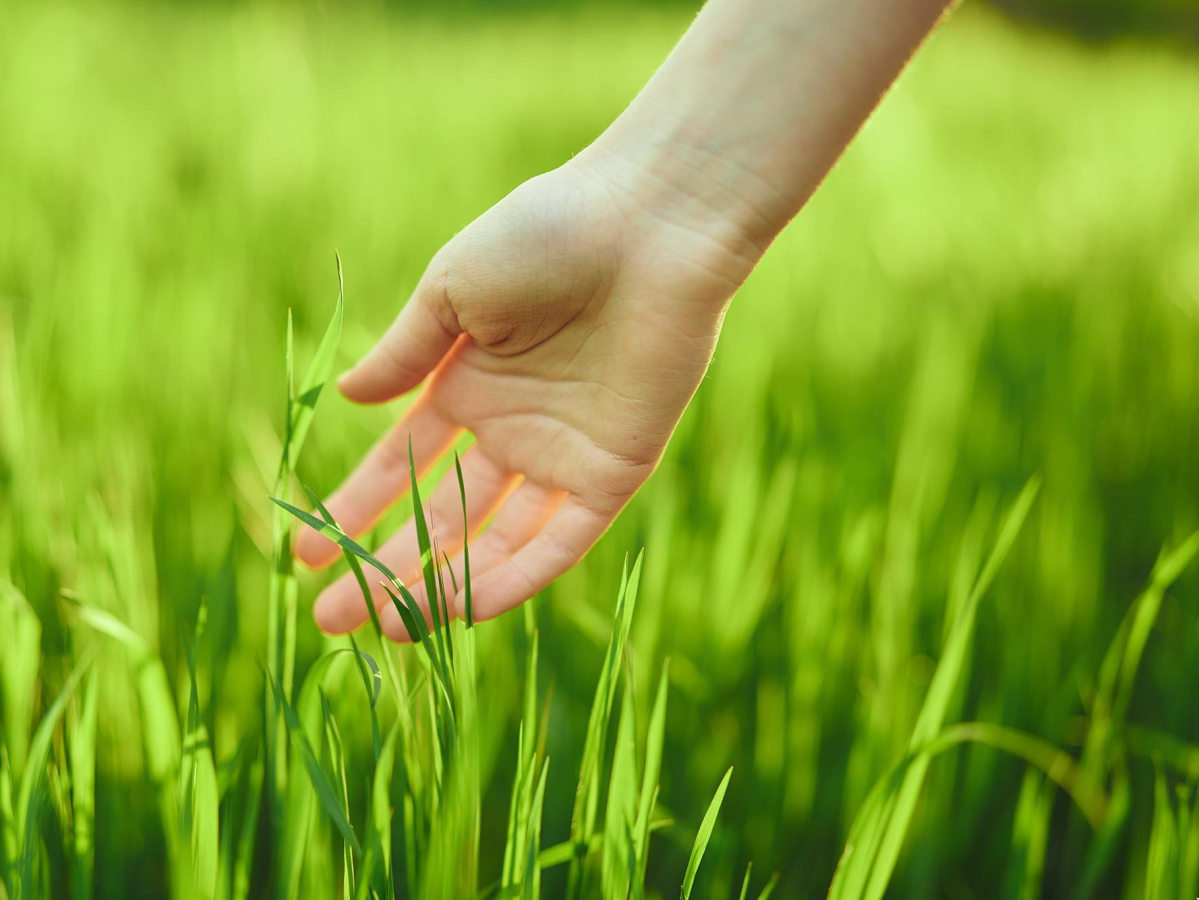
743,121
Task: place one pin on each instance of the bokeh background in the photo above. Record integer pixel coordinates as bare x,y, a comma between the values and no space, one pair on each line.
1001,279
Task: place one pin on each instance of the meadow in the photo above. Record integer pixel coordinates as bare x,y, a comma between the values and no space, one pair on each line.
920,555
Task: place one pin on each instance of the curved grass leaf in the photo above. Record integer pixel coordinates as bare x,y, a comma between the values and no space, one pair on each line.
360,577
372,683
878,830
408,608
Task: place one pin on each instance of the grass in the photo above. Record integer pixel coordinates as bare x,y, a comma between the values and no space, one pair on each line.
997,288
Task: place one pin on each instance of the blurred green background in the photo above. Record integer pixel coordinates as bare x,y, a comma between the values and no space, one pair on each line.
1001,279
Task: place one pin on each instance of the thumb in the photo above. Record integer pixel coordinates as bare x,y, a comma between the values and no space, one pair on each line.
411,348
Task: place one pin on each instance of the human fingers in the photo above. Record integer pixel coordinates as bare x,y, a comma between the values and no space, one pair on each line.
520,518
381,478
340,607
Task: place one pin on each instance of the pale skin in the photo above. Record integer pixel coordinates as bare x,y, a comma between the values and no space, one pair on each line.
568,327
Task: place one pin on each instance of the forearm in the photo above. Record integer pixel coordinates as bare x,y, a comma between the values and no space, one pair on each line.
753,107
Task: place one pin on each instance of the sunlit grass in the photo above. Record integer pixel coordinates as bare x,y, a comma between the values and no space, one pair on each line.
998,283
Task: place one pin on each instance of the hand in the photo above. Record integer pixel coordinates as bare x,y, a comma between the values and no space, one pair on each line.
569,326
567,329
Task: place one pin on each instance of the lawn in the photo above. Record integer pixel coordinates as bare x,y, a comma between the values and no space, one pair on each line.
997,287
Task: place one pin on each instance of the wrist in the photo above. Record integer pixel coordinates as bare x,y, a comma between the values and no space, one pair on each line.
668,185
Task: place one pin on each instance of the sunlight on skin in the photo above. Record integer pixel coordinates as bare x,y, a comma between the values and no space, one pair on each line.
569,326
571,372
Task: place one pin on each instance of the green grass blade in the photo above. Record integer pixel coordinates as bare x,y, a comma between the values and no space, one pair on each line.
34,774
531,883
356,567
1161,862
1120,664
335,749
620,810
469,598
945,679
655,741
529,714
303,409
325,791
8,825
379,836
19,666
283,592
442,599
749,870
408,608
1088,795
160,721
517,813
878,831
372,682
428,562
704,835
243,862
587,792
1030,830
201,826
770,886
82,762
199,800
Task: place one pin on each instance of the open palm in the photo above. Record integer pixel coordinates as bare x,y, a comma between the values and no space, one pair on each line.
567,331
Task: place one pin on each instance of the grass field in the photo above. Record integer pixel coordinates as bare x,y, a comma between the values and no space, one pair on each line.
999,286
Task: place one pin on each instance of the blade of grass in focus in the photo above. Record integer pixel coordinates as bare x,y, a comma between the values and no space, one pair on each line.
655,741
325,791
531,887
281,600
704,835
619,812
587,793
335,749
